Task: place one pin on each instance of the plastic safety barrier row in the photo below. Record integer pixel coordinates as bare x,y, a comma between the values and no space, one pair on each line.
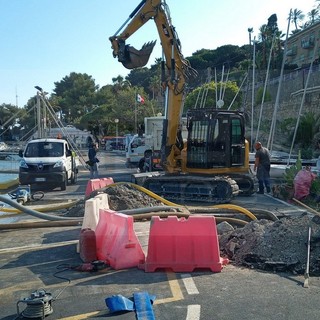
183,245
96,184
117,242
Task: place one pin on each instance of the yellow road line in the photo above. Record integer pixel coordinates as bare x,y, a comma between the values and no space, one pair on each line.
175,291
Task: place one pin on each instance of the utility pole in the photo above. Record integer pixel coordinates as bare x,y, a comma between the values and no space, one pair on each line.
39,122
253,84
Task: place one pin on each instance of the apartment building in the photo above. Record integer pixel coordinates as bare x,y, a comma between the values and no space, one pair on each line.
303,47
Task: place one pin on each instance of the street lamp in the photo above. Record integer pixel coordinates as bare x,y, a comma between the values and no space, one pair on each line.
116,121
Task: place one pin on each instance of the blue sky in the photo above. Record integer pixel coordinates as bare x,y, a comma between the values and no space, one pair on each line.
42,41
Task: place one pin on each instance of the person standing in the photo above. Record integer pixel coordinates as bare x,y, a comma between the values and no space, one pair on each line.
93,161
262,167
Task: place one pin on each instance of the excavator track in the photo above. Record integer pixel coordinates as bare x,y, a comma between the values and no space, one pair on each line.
186,188
245,182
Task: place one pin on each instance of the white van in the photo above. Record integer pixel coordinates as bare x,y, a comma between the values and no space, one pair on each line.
48,162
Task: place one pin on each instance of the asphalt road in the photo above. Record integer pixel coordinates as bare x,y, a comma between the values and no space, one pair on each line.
41,258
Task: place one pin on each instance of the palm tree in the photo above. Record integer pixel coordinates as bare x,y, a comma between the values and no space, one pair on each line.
120,83
313,15
297,16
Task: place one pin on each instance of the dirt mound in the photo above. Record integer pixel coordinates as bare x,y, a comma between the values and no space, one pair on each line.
276,246
120,197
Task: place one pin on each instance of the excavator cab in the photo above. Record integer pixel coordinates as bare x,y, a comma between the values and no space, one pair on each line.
215,139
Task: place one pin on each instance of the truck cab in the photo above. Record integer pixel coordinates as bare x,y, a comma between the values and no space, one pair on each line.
47,162
135,150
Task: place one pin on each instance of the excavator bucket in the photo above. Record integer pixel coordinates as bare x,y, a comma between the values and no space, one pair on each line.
134,58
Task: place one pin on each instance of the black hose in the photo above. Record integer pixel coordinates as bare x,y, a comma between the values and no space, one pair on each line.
41,224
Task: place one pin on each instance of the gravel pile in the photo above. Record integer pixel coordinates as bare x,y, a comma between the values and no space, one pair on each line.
274,246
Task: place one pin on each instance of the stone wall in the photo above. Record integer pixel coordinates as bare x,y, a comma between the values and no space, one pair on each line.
290,99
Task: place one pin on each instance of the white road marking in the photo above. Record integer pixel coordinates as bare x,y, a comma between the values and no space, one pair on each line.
189,283
193,312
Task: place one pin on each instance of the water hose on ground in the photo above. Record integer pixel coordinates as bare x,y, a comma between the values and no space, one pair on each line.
212,210
143,212
148,216
46,208
153,209
41,224
136,217
32,212
169,203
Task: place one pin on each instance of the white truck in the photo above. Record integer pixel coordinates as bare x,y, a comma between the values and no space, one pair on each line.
148,145
48,163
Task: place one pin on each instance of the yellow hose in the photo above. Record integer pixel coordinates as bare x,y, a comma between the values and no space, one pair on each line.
238,208
169,203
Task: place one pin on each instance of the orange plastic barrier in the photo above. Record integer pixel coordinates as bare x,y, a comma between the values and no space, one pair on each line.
117,242
95,184
183,245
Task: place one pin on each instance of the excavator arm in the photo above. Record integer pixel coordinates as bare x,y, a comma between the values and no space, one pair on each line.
175,69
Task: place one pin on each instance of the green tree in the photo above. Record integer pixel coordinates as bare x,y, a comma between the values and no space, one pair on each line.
10,121
307,129
259,95
205,96
75,95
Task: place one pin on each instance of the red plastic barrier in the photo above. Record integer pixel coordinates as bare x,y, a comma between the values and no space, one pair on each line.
117,242
183,245
88,250
96,184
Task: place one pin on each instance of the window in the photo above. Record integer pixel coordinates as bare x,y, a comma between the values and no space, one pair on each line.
44,149
236,132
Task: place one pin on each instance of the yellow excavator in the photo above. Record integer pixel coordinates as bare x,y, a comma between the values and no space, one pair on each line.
213,164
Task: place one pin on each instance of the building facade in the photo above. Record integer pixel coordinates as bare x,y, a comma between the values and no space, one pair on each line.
303,46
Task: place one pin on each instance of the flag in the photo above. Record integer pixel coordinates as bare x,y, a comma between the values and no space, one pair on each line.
140,98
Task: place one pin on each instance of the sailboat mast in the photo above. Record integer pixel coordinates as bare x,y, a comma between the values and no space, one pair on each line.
276,106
